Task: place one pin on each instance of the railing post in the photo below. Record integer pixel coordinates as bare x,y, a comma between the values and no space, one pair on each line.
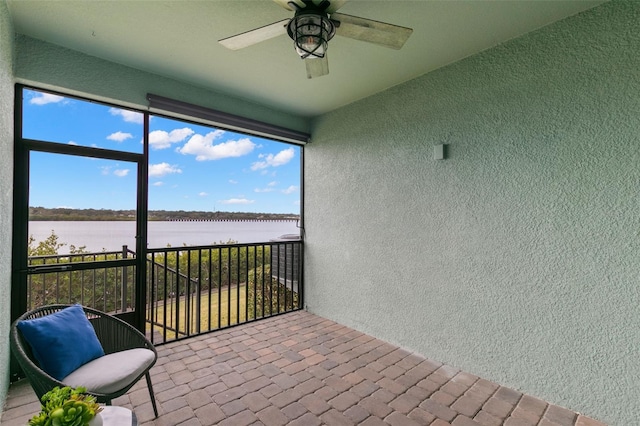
123,303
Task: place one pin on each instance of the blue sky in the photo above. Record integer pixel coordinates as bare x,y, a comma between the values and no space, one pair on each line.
191,167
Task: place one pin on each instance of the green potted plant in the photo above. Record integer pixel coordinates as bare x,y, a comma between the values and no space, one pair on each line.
67,407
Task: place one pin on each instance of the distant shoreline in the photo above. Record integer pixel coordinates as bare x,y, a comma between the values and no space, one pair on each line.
112,235
82,215
45,219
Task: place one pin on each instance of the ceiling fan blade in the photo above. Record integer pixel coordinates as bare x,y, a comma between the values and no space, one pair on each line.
381,33
317,67
255,36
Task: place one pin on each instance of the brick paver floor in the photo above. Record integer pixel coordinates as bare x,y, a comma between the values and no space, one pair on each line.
301,369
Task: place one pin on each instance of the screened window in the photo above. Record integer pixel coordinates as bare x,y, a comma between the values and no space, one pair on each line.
61,119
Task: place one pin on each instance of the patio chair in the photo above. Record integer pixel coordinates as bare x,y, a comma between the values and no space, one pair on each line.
124,357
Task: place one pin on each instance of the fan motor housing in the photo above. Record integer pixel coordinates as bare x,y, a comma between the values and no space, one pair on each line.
310,30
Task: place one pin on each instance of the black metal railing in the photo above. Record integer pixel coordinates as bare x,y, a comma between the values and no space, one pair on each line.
190,290
75,278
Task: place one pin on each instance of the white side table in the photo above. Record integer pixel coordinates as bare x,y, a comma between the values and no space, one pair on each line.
118,416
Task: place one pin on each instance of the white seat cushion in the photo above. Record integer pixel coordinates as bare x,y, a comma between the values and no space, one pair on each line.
112,372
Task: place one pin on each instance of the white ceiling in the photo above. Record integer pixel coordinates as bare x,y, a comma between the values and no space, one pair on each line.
178,39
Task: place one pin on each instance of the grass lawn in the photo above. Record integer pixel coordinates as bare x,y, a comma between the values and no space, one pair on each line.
207,318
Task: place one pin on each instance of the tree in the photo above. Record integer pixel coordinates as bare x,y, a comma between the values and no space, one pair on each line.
48,247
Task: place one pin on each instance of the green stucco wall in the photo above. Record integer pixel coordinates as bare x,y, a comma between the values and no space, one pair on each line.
49,66
517,257
6,190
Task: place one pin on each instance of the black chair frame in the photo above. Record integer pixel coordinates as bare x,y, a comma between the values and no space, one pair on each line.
114,335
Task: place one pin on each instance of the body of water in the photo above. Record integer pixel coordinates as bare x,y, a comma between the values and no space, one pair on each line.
111,236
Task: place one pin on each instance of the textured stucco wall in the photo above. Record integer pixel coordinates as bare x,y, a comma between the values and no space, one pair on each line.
6,190
517,258
50,66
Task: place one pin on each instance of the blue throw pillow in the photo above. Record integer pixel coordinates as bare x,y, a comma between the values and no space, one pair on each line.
63,341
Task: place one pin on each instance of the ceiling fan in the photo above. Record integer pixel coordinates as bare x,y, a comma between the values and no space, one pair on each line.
313,25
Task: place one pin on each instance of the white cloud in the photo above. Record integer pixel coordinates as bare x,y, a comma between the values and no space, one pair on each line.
270,187
121,172
281,158
204,149
127,115
105,170
203,194
237,201
162,169
233,182
119,136
159,139
290,190
72,143
45,98
159,183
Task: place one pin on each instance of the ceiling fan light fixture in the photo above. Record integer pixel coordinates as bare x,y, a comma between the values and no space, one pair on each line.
310,32
315,22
